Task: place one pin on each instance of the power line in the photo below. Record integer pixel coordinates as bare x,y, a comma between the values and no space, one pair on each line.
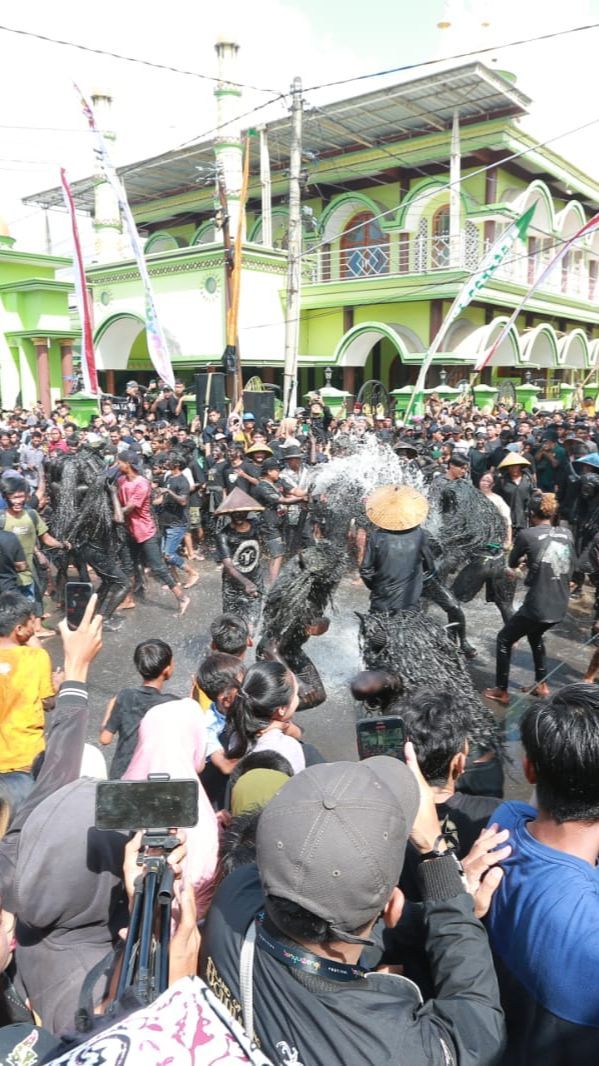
457,55
471,174
131,59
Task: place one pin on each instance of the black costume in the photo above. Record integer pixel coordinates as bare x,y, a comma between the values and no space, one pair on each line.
243,549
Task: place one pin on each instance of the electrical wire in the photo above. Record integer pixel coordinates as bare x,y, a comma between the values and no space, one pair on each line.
456,55
132,59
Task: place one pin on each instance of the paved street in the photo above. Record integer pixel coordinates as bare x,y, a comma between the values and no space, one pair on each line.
331,726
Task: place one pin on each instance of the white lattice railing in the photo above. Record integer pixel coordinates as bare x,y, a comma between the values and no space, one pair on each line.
425,255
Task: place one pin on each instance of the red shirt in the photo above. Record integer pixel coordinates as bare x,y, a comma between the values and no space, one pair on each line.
140,522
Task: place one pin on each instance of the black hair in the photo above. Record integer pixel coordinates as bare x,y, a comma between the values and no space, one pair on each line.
267,686
561,740
261,760
438,726
238,842
300,924
218,673
151,657
10,485
175,459
15,610
230,633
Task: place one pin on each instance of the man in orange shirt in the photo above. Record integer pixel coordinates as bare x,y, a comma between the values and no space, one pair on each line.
27,688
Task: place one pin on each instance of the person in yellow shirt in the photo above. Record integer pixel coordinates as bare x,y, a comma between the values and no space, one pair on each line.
27,688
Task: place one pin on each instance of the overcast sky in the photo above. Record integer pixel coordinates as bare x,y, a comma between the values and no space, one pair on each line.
42,128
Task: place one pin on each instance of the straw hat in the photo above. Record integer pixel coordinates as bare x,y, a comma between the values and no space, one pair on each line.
257,448
238,500
396,507
513,459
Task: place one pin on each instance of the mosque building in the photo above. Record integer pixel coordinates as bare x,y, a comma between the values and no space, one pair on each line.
403,190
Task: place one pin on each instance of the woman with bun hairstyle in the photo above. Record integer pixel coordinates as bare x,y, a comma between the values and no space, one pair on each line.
547,552
261,714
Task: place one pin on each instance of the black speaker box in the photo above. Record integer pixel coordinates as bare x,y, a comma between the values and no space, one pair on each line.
261,405
211,392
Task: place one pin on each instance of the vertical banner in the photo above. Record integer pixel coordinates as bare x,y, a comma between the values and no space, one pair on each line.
157,345
88,362
565,248
491,261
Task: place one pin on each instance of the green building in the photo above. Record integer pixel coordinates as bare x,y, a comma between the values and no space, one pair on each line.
36,332
403,191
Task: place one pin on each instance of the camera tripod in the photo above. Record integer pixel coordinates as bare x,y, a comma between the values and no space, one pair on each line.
144,969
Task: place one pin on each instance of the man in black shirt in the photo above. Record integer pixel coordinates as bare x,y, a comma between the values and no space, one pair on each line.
238,547
397,552
165,405
273,500
548,552
12,561
329,849
173,500
9,454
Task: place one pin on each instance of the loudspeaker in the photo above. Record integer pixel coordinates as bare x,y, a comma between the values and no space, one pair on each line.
210,392
261,405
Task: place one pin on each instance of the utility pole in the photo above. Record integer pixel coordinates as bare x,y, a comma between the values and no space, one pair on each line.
294,251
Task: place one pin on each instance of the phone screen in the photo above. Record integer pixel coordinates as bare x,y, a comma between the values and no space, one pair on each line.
381,736
76,598
146,804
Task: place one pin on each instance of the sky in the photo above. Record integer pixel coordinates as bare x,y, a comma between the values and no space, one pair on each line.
41,127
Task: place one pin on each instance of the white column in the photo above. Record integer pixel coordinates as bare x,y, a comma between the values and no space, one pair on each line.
455,167
265,185
228,148
107,221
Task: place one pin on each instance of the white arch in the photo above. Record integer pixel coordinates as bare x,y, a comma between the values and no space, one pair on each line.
539,346
594,352
355,346
457,332
573,349
570,219
481,339
113,343
336,220
520,200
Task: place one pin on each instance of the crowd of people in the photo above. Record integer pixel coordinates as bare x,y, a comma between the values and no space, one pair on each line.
368,912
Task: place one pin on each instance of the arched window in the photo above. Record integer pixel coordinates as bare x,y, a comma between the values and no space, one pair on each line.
364,248
440,243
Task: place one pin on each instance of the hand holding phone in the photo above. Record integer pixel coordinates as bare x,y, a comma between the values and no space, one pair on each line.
381,736
76,598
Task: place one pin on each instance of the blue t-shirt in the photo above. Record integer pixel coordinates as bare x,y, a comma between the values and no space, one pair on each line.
544,921
215,723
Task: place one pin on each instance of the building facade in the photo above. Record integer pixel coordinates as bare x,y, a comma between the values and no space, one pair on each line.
403,191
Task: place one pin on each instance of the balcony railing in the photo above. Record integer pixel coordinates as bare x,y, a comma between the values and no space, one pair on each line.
419,255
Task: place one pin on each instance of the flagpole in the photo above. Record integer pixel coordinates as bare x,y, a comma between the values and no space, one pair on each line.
490,263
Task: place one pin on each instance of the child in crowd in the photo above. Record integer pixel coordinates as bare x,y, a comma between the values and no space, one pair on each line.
230,634
262,712
219,677
154,662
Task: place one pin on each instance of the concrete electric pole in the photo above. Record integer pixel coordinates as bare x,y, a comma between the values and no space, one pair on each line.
294,252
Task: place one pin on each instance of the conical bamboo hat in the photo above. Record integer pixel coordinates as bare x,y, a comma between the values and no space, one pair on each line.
513,459
396,507
238,500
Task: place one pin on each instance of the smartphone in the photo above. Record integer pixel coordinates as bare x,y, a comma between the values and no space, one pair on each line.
381,736
151,804
77,595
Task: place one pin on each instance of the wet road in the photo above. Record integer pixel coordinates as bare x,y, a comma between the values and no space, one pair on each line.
331,726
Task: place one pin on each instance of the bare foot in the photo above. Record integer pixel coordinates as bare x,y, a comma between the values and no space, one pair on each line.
540,689
497,694
192,581
184,604
128,604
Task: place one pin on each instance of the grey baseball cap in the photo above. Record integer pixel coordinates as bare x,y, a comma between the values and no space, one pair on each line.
333,839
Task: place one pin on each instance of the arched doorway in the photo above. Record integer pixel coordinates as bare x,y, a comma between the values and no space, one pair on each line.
364,248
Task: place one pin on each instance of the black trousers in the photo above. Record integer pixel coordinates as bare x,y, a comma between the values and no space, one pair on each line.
114,581
149,553
437,593
517,627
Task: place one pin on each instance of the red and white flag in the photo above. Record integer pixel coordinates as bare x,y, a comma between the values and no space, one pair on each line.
88,361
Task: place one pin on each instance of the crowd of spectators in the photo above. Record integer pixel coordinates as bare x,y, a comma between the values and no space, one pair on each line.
340,912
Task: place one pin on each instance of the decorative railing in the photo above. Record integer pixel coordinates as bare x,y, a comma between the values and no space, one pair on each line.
419,255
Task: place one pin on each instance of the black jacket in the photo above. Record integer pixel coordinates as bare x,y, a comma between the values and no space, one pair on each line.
376,1020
